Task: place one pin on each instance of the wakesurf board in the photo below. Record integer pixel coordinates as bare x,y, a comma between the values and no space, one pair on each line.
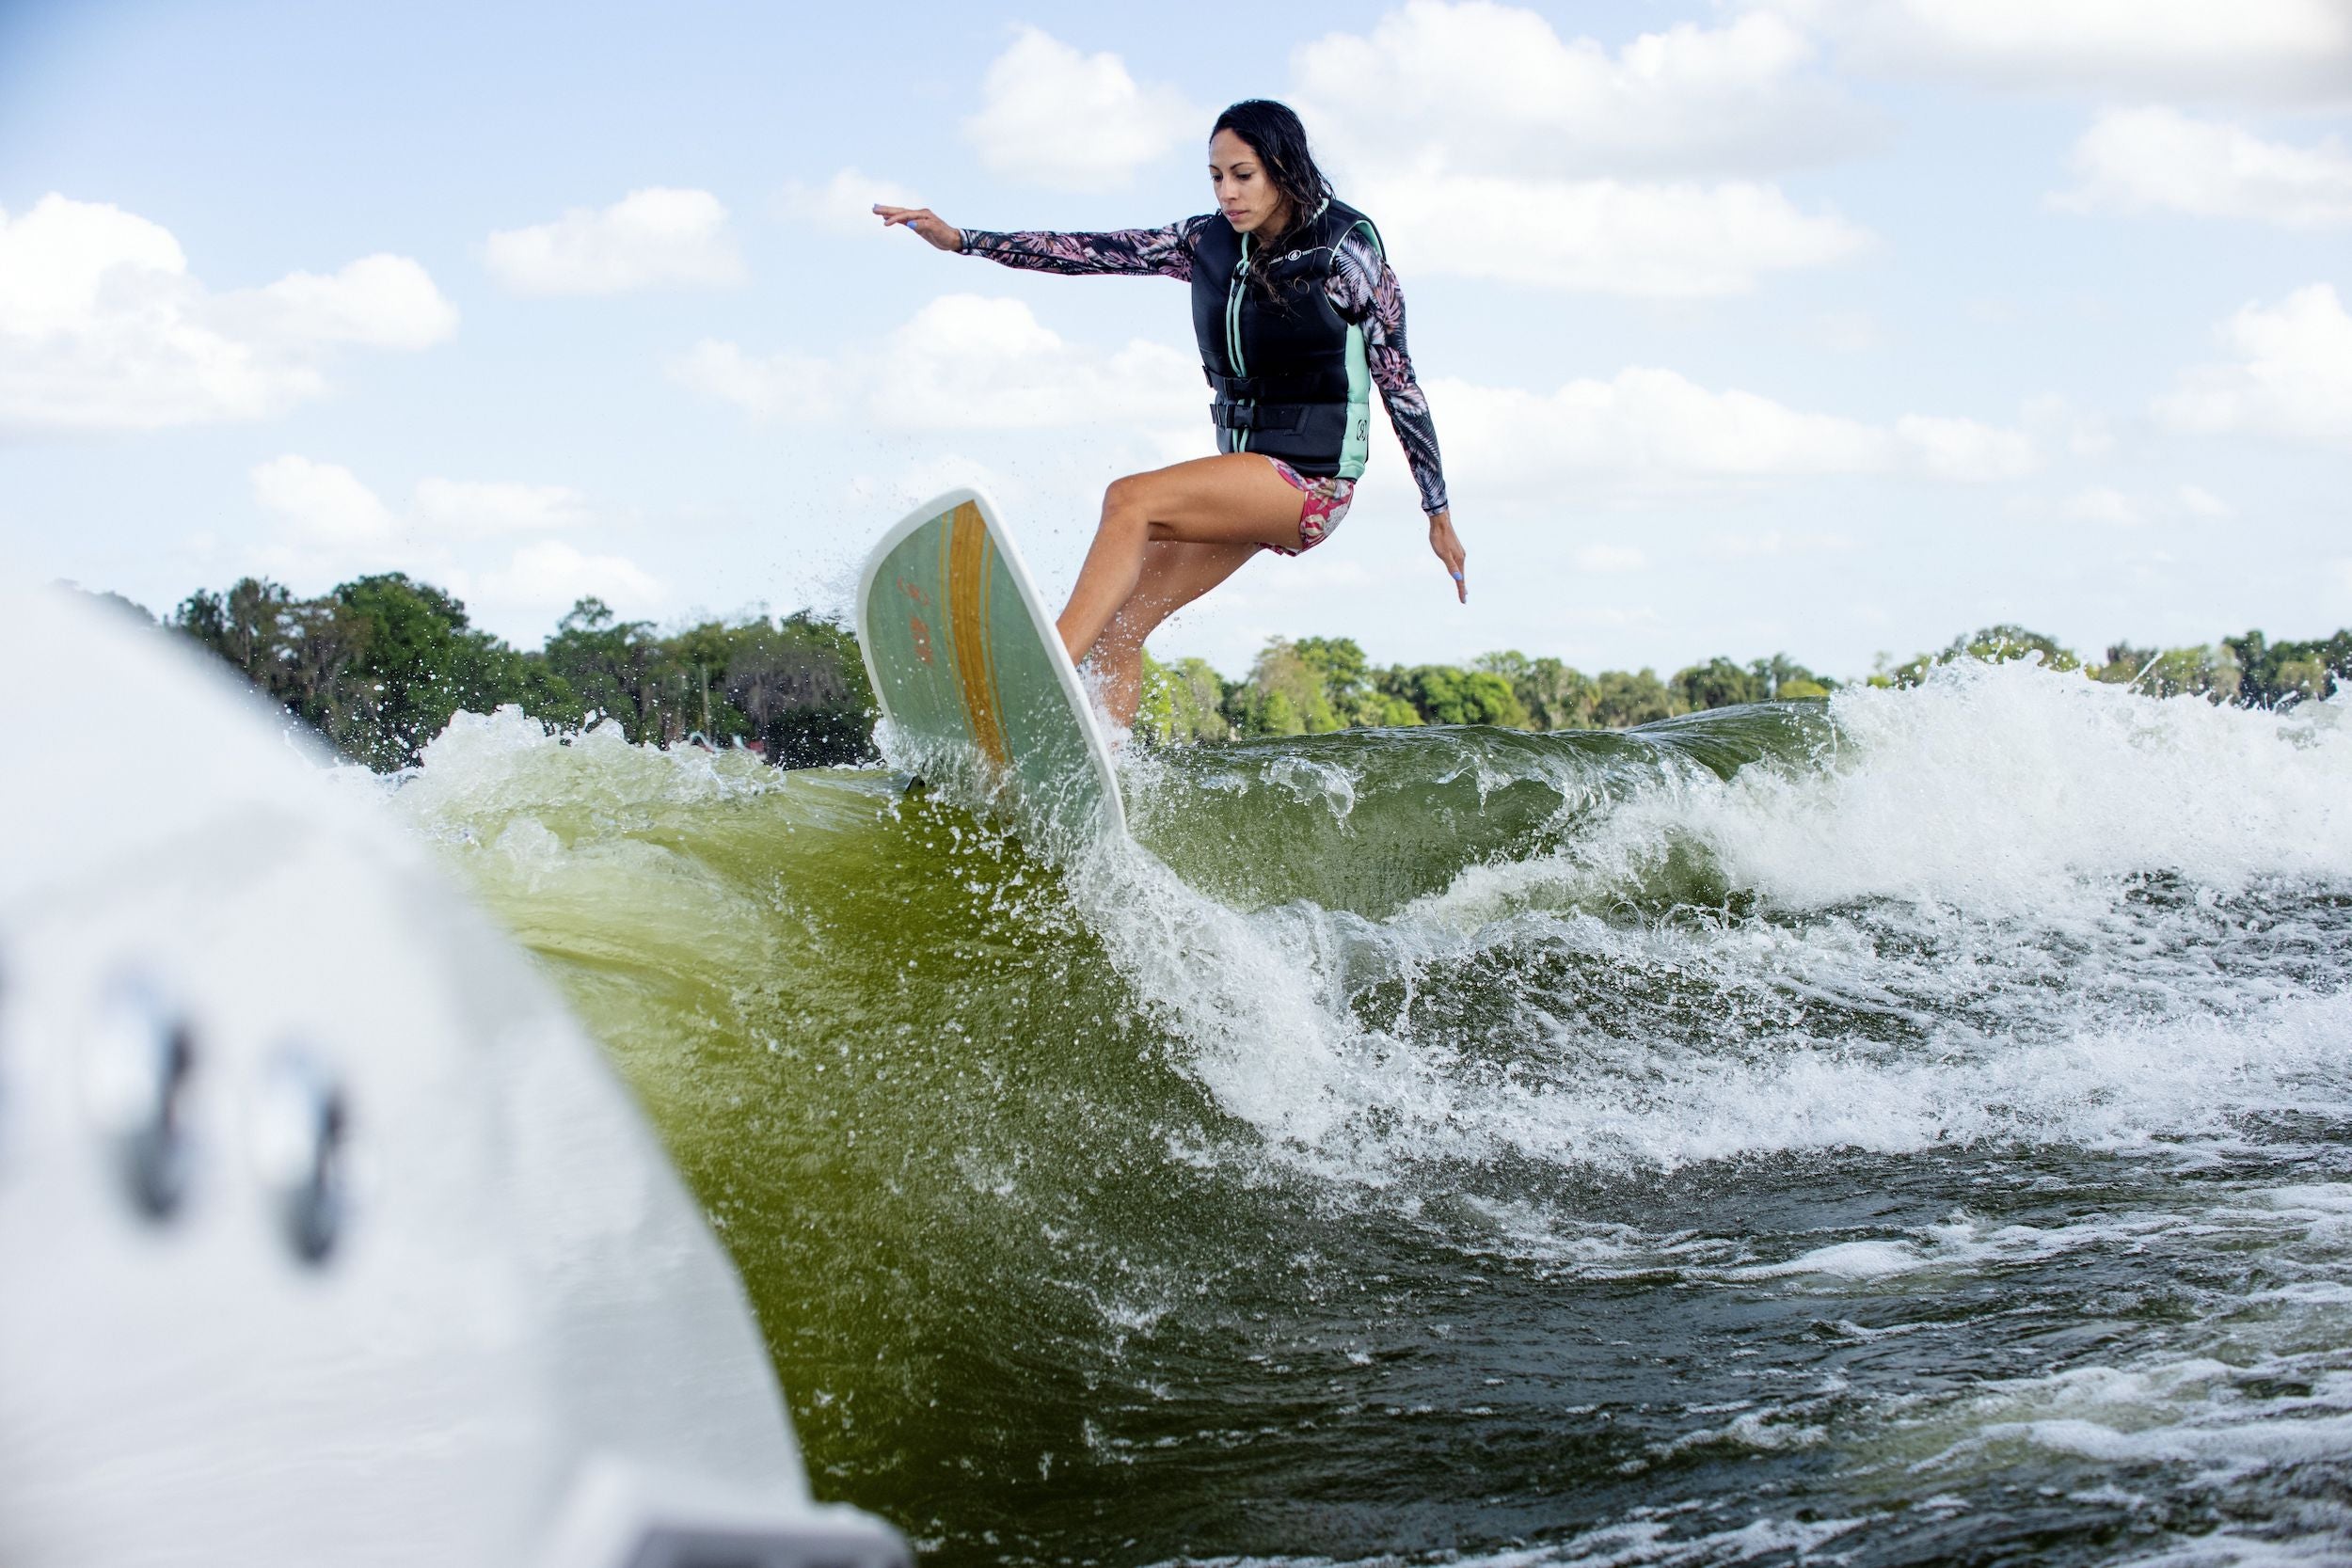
975,687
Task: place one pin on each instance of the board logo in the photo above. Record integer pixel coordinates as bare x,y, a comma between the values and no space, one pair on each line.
922,635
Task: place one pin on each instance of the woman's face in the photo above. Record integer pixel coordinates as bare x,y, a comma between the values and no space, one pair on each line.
1244,191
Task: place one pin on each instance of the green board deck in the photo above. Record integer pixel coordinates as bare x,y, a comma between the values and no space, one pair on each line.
974,688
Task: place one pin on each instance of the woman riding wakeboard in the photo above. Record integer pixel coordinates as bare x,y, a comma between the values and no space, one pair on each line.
1298,316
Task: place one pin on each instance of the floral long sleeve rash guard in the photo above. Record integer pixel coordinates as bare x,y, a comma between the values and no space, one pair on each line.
1361,286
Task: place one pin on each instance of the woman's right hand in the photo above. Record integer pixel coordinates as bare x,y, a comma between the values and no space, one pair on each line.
947,236
1448,545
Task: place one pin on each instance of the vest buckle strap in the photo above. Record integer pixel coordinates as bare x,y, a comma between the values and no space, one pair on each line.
1307,386
1259,415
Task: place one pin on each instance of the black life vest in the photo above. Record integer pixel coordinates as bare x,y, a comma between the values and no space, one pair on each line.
1291,378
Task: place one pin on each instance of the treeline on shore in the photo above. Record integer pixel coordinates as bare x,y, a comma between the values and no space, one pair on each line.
1316,684
378,665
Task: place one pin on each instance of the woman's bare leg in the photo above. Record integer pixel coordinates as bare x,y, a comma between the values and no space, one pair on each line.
1174,574
1236,498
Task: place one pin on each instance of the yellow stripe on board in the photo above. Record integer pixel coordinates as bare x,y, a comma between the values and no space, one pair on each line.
968,605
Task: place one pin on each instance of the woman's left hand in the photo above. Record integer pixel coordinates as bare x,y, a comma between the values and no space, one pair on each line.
1448,548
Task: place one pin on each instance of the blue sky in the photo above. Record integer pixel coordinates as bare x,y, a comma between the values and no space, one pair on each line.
1835,326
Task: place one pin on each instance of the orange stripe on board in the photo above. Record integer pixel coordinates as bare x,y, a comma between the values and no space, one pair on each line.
968,613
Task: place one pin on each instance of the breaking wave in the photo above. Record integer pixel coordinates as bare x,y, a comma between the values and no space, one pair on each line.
1909,1127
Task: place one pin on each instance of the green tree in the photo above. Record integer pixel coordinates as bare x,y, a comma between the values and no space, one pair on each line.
112,601
699,657
1445,694
2293,679
1621,700
1183,703
246,626
2276,673
2207,672
610,666
2239,668
1996,644
379,665
304,654
2122,664
1346,678
1781,677
1556,696
1287,692
2001,643
800,687
1274,713
1718,683
418,659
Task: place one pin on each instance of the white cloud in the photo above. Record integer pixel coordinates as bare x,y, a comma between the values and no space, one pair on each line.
1848,332
968,362
2102,504
2258,50
2158,160
1493,89
63,255
376,302
2055,421
1051,116
324,504
476,509
2199,502
2106,506
103,326
1776,542
549,574
845,203
2292,379
780,386
1489,146
1598,559
1963,450
965,362
327,505
653,238
332,526
1650,426
1680,240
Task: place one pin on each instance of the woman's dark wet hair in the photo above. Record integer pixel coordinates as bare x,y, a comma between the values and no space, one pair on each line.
1274,132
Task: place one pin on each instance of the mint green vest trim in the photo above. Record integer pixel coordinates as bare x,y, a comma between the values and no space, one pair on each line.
1232,332
1356,445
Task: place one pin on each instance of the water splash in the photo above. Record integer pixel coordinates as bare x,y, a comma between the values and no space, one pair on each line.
1663,1146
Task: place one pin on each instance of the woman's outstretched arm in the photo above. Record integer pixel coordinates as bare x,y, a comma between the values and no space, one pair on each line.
1134,252
1363,289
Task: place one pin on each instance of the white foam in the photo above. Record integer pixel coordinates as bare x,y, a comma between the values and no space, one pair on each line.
1279,1047
2331,1197
2227,1548
1995,791
1648,1542
1956,874
1996,788
483,767
1949,953
2003,990
1845,1259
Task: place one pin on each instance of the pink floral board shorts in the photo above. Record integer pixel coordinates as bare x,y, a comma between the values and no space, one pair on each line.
1322,502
